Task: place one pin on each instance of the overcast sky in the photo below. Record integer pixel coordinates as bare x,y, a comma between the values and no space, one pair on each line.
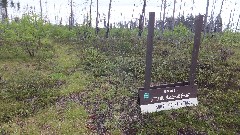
60,8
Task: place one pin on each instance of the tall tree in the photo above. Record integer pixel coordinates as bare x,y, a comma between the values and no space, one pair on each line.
40,3
211,26
90,14
221,7
109,14
164,14
160,25
174,6
97,19
141,19
205,18
71,19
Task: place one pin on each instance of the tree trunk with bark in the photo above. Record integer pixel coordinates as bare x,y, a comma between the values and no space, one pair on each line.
97,29
40,8
174,6
205,18
90,15
109,14
71,16
141,19
164,13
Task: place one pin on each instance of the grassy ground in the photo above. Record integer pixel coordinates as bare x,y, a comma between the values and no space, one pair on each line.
91,88
40,114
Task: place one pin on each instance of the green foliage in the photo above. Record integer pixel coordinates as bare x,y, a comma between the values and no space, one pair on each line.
170,64
59,120
27,33
31,91
179,35
229,38
116,68
26,85
123,33
97,63
61,33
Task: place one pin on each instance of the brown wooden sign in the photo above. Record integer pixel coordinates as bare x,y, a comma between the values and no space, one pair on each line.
169,96
163,97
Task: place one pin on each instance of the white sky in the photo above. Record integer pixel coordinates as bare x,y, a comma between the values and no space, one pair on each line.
60,8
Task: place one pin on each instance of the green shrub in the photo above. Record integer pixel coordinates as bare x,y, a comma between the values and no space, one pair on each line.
27,33
26,92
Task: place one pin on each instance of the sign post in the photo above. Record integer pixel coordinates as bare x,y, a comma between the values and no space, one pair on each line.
195,51
174,95
149,51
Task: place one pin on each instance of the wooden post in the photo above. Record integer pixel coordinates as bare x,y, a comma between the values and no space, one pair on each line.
149,50
195,51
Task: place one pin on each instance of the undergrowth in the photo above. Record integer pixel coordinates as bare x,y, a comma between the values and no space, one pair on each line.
60,81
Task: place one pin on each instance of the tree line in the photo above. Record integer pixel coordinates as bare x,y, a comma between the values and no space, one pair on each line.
211,24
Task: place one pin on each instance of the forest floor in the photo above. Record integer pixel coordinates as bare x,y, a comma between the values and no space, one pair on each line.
72,90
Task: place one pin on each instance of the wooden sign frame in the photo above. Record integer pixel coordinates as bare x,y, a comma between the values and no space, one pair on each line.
175,95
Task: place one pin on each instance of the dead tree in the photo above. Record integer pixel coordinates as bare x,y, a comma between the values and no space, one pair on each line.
71,19
141,19
221,8
233,14
40,2
205,18
228,25
164,13
97,29
211,26
109,14
90,15
237,24
174,5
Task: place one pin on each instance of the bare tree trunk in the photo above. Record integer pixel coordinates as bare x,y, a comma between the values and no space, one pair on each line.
180,8
164,13
141,19
173,24
233,14
6,12
46,9
109,14
71,12
90,20
71,16
221,8
97,20
205,19
237,24
40,7
228,25
160,25
211,26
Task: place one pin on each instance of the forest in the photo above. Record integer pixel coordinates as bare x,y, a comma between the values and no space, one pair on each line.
84,79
